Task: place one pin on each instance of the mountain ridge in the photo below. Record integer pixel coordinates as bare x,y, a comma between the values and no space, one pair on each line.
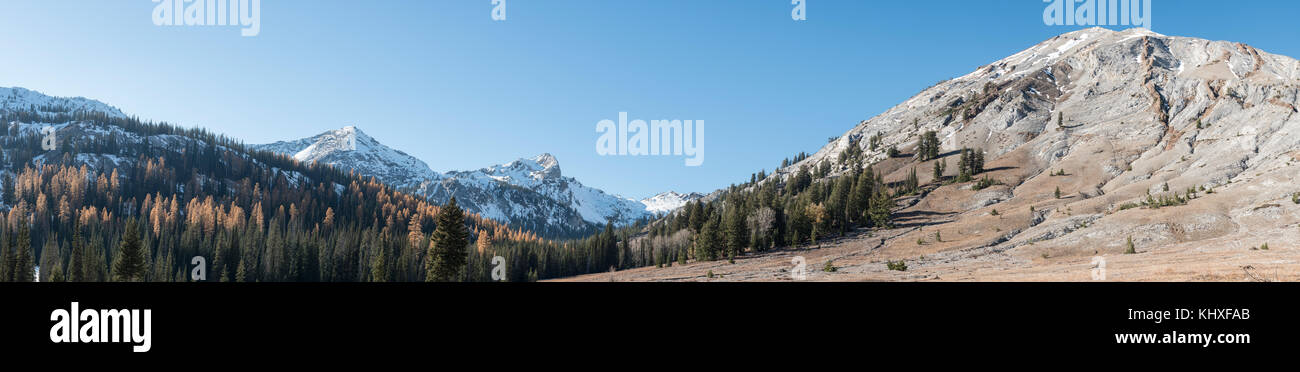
531,191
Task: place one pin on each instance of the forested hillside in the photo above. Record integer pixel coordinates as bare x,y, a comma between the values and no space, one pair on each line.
122,199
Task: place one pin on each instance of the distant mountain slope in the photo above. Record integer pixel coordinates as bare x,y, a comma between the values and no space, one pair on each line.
669,201
350,148
531,193
13,99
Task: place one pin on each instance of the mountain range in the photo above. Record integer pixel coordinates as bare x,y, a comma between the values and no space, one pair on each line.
531,193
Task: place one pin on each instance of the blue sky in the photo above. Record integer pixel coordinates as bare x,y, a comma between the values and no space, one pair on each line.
442,81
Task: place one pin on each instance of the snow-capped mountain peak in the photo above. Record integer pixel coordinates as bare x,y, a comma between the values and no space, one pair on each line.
550,166
530,192
527,172
331,142
669,201
350,148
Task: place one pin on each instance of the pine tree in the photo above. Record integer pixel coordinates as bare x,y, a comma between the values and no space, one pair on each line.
928,148
75,271
241,274
219,258
696,219
6,261
913,183
737,231
24,267
50,259
447,255
706,245
881,209
7,188
129,265
56,274
380,266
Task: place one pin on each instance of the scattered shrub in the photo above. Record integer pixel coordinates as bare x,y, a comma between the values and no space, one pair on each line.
984,183
901,265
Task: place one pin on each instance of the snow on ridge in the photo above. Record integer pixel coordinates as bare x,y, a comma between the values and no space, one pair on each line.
481,190
17,98
669,201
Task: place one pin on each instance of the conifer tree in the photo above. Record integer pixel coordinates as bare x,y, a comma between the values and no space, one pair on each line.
706,245
737,231
881,208
24,267
6,261
75,271
928,148
97,267
56,274
447,255
913,183
50,259
7,188
129,264
380,266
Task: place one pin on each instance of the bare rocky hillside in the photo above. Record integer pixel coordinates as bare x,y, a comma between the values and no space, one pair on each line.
1189,147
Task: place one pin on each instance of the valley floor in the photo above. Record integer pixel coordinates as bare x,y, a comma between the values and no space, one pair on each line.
862,256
